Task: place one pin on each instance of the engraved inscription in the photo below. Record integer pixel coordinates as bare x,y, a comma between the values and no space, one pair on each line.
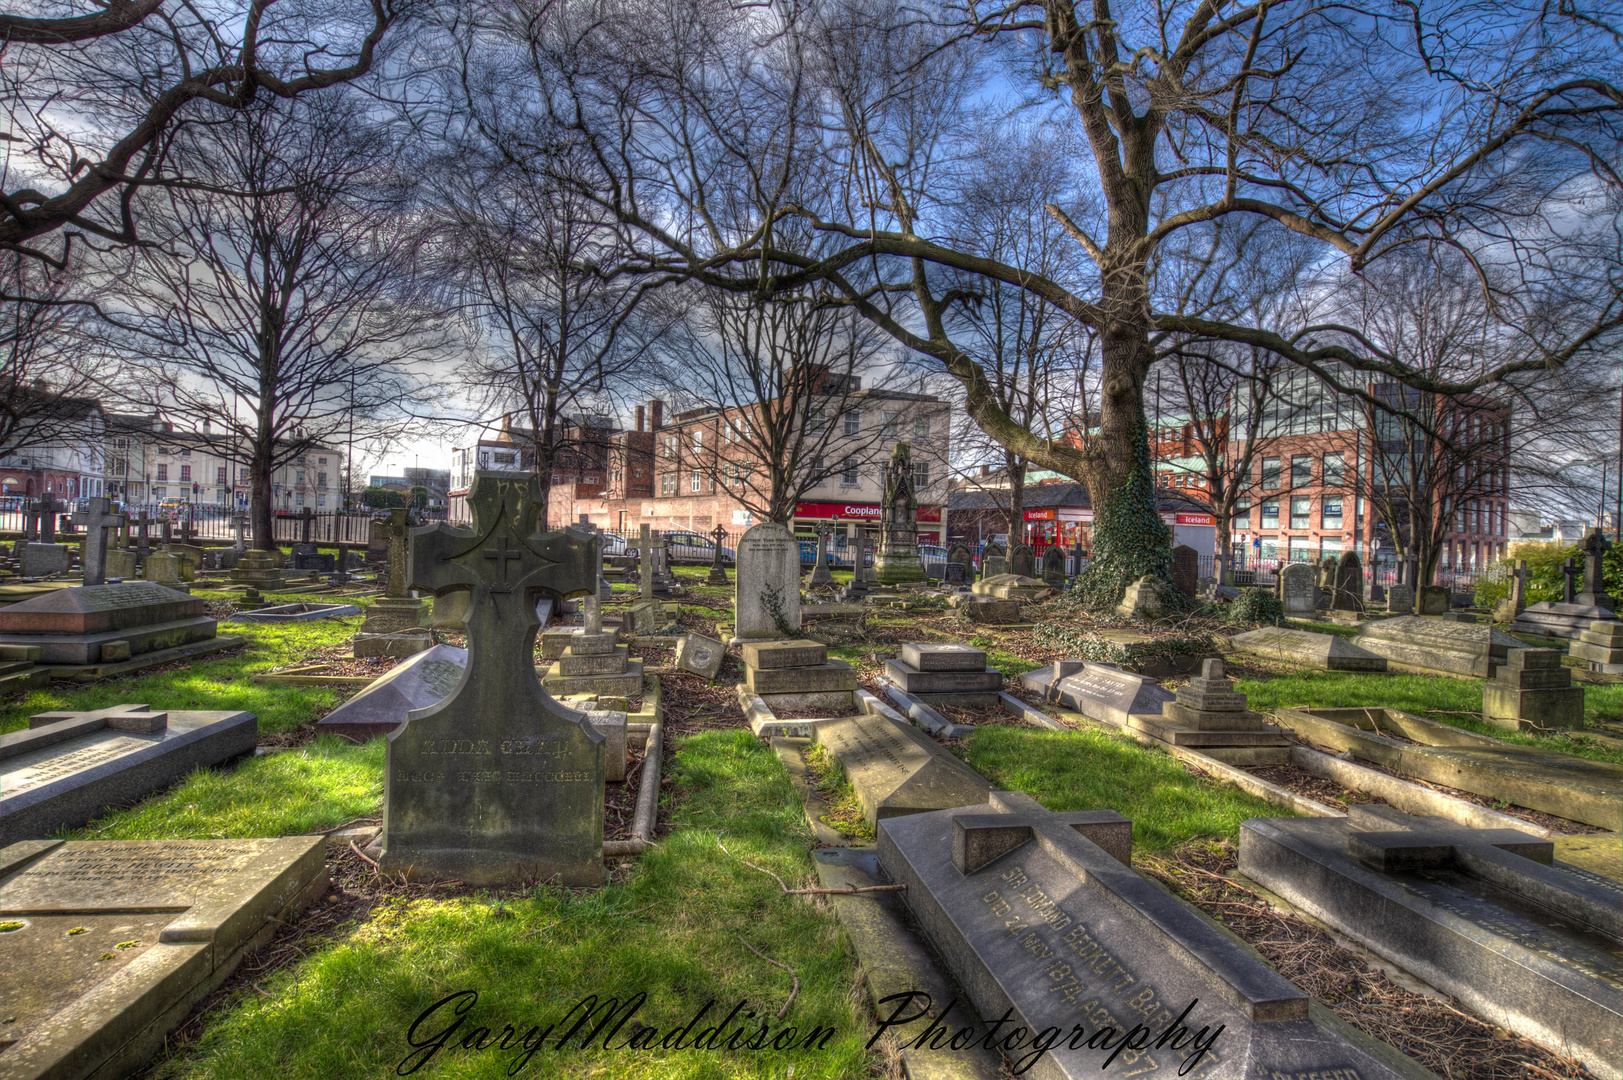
86,757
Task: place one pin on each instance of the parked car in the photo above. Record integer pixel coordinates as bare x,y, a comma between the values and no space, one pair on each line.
614,544
933,552
691,547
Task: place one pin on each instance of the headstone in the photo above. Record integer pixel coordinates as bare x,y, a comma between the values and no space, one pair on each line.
895,769
417,682
255,568
820,574
718,569
1147,598
1569,574
47,518
1185,569
1054,567
1022,561
1435,600
1209,713
1040,919
1349,594
991,612
118,939
1513,605
1327,652
796,674
955,573
498,783
45,560
97,518
960,554
70,767
945,675
239,528
768,593
1595,548
1600,646
645,558
700,655
1400,599
1577,610
120,565
1011,587
78,626
319,561
1485,915
993,566
1531,690
163,568
898,560
1438,645
1102,692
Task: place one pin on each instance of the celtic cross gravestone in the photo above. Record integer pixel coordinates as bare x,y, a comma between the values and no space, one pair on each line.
498,783
97,518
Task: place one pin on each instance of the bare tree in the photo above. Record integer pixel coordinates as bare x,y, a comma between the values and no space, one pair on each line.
93,96
1363,132
294,309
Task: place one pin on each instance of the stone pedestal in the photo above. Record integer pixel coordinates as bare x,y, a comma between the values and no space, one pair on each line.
595,664
1147,598
946,675
797,675
121,564
1209,714
1532,690
390,614
1010,587
1601,646
255,567
899,567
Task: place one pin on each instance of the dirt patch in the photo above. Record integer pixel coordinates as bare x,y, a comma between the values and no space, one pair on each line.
998,716
693,705
1317,788
620,800
1437,1033
817,714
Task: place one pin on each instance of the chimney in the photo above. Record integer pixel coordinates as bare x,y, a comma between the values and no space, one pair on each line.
986,470
656,415
639,417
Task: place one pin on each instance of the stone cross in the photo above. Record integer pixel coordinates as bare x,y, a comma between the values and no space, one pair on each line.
307,526
1569,591
143,543
1518,585
718,571
593,603
1595,547
498,783
645,548
239,525
97,518
47,518
820,573
30,520
168,533
398,530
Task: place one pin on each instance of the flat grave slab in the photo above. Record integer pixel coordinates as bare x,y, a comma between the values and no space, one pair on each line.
1328,652
423,680
949,657
1431,644
91,609
1575,788
895,769
1486,915
1102,692
118,939
1040,920
297,612
68,768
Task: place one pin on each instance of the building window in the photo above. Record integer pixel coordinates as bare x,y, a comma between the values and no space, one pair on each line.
321,479
158,492
219,475
1301,509
298,500
853,422
298,478
921,475
667,484
890,425
1270,475
698,439
321,461
1330,515
1270,514
185,453
321,502
1301,470
1240,517
163,472
501,457
1335,470
693,480
185,474
921,428
848,473
670,446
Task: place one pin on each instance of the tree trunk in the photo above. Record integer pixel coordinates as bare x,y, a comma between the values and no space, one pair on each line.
1015,469
260,504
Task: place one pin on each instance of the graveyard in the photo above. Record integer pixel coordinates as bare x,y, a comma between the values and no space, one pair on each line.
843,808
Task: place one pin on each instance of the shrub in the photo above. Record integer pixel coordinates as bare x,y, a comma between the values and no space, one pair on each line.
1256,607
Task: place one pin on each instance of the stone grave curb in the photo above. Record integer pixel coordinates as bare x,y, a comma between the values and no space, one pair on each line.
271,615
92,672
791,752
894,961
923,715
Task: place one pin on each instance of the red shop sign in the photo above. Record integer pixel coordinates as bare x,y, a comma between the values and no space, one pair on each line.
864,511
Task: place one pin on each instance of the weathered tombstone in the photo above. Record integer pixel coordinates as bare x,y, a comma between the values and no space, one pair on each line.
395,611
1147,598
1022,561
1532,690
1438,645
955,573
898,559
1569,574
991,612
1041,920
1209,712
1485,915
700,655
306,544
1434,600
861,575
1600,646
993,566
797,674
70,767
1400,599
718,570
417,682
1328,652
820,574
960,554
1511,607
163,568
143,539
768,593
97,518
945,675
47,518
645,560
120,565
498,783
1101,692
1349,590
44,560
98,624
896,769
1577,610
1185,569
1054,566
110,943
239,527
1595,548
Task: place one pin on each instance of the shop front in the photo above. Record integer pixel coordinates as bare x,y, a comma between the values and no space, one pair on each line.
1046,525
861,519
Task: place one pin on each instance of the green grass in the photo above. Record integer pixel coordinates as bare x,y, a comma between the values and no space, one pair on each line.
1095,770
294,792
221,683
671,931
1437,697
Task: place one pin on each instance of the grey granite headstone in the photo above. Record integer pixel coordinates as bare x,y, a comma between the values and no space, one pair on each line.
43,560
1487,915
498,783
1298,588
955,573
820,574
97,518
1022,561
70,767
1438,645
768,590
993,565
700,655
1040,920
1054,566
1400,599
415,683
1101,692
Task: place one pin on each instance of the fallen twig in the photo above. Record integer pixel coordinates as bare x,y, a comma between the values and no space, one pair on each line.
776,963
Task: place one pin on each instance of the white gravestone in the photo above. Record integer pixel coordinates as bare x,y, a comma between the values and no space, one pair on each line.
768,583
